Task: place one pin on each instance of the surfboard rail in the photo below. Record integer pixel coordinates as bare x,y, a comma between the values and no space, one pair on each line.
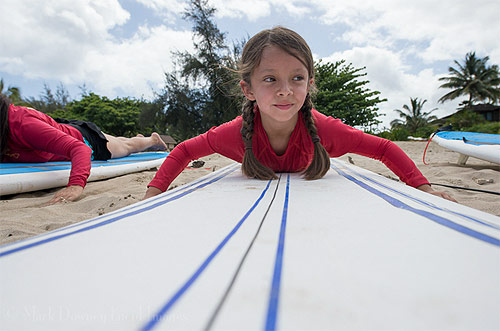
479,145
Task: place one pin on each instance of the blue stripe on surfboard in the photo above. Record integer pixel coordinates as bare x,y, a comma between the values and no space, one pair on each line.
428,204
113,219
16,168
433,217
166,307
225,171
212,318
272,309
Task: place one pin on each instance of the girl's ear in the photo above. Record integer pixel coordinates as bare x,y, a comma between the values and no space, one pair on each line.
311,82
247,90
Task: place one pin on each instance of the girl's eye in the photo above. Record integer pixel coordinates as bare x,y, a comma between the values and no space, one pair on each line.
269,79
298,78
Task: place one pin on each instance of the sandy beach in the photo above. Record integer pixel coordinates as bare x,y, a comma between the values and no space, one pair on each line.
25,215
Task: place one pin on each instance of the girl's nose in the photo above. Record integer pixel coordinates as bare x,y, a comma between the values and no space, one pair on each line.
284,89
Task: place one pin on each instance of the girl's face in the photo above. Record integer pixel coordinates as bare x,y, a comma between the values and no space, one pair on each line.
279,85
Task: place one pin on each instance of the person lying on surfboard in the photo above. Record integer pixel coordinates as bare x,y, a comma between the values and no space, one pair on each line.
279,130
27,135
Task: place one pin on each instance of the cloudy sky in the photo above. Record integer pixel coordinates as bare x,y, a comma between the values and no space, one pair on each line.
123,47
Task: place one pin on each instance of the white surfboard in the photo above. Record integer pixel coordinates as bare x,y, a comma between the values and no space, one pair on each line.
26,177
351,251
479,145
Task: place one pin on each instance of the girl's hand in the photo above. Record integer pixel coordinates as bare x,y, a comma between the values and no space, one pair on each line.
427,188
151,192
69,193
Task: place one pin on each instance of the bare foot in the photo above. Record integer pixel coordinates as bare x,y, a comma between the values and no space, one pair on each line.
139,135
158,141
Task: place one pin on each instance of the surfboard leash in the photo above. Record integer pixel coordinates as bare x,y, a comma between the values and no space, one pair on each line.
445,128
467,188
425,150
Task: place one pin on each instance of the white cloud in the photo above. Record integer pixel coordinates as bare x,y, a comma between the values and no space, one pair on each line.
447,29
257,9
388,73
50,38
252,10
137,65
70,41
169,9
399,42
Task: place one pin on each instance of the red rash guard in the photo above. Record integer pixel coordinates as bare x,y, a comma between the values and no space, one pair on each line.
337,138
36,137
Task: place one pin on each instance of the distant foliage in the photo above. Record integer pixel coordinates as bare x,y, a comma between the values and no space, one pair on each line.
13,93
414,118
473,78
395,134
200,93
465,119
343,95
48,102
118,117
486,127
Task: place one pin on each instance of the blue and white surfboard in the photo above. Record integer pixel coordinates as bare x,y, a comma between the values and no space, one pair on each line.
483,146
351,251
26,177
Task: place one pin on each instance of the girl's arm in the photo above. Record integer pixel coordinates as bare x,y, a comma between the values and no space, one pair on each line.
42,137
178,159
225,139
340,139
399,163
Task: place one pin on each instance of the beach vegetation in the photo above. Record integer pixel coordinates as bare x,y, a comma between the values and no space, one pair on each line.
342,93
395,134
414,118
467,120
474,79
48,102
200,92
486,127
114,116
12,92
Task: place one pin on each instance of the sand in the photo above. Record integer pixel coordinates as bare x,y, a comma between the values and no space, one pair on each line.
26,215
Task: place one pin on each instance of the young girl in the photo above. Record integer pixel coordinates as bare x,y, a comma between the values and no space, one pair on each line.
27,135
279,131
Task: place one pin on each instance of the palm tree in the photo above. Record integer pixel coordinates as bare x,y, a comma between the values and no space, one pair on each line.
414,117
474,78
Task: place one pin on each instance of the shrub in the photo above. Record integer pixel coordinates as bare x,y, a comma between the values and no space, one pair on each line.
395,134
465,119
487,127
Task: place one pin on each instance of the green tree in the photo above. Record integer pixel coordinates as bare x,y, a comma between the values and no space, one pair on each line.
183,108
342,95
118,117
151,118
200,94
48,102
414,118
475,79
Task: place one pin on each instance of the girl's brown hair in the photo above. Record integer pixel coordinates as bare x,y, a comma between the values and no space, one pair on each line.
4,123
292,43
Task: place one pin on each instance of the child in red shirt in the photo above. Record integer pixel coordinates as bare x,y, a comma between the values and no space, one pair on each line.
27,135
279,131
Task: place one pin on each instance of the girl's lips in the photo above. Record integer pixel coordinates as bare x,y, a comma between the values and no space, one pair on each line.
284,106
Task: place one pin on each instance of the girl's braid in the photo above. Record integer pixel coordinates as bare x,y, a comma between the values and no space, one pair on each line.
250,166
247,126
321,160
